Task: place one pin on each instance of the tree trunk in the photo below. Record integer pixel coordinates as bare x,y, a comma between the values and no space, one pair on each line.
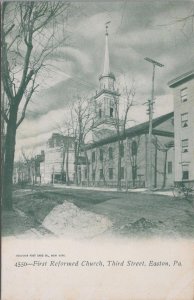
155,165
126,169
87,166
76,161
165,162
29,175
63,179
2,136
119,166
9,159
133,174
67,166
76,173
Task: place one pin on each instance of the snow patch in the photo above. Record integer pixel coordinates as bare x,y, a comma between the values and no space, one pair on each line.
69,220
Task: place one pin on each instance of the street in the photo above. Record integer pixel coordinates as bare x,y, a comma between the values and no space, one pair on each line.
131,214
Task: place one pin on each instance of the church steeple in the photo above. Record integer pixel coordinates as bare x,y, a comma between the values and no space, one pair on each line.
105,99
107,78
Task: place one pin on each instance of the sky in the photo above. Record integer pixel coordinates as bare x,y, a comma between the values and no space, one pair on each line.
138,29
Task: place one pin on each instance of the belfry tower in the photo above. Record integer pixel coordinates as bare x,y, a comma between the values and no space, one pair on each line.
106,100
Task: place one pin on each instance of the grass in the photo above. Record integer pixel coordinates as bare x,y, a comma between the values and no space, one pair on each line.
130,213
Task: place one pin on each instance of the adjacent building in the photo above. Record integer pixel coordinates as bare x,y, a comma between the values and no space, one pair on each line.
58,164
27,170
183,92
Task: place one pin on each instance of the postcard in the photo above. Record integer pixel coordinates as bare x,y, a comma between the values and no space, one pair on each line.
97,150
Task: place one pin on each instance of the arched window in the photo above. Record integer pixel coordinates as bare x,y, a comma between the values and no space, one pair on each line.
93,156
134,148
101,154
134,172
121,150
100,113
111,112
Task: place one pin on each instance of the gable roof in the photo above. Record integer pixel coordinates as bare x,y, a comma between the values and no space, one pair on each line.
135,131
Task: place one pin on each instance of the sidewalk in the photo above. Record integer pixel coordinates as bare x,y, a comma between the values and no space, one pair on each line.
101,189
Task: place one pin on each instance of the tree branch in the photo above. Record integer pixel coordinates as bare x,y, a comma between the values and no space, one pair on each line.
10,29
28,97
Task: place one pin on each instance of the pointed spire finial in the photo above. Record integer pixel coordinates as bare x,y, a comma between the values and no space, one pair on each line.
107,27
106,70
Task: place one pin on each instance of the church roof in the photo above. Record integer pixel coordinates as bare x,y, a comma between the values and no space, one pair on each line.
136,130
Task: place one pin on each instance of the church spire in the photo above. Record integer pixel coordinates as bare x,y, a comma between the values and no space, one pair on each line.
106,70
105,99
107,78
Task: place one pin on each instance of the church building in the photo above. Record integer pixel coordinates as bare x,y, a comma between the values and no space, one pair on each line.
132,146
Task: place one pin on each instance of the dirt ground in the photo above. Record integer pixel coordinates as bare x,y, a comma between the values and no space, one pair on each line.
30,207
130,214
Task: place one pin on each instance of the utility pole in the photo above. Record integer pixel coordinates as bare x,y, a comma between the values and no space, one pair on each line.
150,110
53,177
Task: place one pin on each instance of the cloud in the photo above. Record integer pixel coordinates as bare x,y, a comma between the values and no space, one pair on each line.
34,133
32,144
58,96
138,113
94,26
77,57
43,124
134,33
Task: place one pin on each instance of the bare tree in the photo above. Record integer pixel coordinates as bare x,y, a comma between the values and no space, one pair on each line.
183,21
120,122
20,174
29,37
29,161
66,132
133,152
82,121
77,125
185,24
163,148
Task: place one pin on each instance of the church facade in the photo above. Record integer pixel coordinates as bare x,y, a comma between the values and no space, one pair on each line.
103,157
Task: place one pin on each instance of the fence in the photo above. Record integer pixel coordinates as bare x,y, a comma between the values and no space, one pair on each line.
113,184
